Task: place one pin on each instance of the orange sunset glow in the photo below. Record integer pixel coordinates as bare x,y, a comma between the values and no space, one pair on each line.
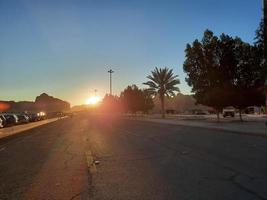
93,100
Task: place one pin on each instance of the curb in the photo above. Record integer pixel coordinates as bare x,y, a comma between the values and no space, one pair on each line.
18,133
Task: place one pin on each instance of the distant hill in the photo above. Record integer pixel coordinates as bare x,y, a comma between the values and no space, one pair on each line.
184,104
50,104
44,102
180,104
79,108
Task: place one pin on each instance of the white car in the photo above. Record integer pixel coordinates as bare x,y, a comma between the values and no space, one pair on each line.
1,123
229,111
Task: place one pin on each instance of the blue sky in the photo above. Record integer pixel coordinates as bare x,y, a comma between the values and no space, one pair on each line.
65,48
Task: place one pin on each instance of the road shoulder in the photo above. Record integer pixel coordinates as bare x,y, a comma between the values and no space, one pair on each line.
257,128
13,130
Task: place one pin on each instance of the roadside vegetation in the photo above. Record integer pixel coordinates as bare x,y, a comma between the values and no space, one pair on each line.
162,82
223,72
226,71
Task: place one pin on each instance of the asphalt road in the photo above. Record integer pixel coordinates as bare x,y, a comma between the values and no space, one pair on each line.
101,157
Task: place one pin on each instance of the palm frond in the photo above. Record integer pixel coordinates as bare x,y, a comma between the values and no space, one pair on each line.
163,81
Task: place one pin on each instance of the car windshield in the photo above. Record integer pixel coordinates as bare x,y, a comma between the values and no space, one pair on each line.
133,100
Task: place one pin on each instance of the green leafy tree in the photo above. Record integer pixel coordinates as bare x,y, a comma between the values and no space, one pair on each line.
162,82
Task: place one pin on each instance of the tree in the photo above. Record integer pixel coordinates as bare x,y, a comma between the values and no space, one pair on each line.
261,51
249,80
147,103
131,99
163,82
110,104
135,99
204,72
260,35
224,71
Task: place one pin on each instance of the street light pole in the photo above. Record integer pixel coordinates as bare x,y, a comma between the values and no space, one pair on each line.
110,81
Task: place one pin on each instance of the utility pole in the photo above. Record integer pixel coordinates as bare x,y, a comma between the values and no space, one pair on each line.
110,81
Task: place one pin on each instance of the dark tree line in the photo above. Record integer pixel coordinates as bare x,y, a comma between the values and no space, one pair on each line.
162,82
131,100
135,99
226,71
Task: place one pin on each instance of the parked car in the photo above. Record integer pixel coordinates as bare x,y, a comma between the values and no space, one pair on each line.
30,117
41,115
229,111
22,119
2,121
33,117
200,112
11,119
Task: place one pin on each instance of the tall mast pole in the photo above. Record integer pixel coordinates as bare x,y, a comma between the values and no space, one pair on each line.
110,81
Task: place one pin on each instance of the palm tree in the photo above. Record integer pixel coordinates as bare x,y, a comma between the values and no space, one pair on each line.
162,82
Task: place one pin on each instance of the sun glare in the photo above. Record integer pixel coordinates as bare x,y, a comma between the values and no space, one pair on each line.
92,100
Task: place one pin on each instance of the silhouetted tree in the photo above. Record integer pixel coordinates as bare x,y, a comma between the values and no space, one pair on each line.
261,51
248,82
110,104
260,35
147,102
135,99
249,73
202,66
162,82
223,72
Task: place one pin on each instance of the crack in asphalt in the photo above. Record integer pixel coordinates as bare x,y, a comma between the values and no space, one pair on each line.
191,153
133,159
69,154
242,187
91,187
200,155
233,180
76,195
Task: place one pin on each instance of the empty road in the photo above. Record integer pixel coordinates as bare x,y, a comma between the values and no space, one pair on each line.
102,157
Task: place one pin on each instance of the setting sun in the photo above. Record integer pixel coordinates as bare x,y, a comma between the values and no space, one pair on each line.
92,100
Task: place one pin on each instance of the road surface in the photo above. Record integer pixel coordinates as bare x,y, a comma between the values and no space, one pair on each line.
102,157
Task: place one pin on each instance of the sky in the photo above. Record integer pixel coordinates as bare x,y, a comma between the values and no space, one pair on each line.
66,47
